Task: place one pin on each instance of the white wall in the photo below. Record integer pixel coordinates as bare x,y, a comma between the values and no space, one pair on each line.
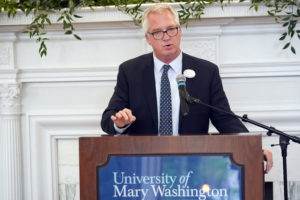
63,95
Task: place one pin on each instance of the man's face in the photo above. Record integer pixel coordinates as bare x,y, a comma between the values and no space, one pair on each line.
168,48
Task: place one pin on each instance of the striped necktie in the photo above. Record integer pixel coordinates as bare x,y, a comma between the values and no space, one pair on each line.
165,124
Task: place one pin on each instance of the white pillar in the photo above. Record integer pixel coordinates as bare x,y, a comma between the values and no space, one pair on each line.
10,142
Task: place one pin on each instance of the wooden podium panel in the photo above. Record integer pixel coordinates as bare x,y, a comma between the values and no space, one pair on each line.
246,150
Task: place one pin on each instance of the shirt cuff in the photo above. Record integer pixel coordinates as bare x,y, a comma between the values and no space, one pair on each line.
119,131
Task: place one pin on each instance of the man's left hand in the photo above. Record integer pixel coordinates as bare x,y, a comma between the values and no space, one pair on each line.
269,159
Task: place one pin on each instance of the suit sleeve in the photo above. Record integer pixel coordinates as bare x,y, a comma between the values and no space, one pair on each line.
223,122
118,101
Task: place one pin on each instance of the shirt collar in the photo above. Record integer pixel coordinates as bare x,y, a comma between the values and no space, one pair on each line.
176,64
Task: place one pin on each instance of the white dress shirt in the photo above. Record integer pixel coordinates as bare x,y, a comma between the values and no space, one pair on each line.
176,68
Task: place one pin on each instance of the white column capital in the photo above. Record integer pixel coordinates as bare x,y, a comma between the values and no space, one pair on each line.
10,99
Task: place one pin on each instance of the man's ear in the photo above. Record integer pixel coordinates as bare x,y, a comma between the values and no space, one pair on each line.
148,38
179,30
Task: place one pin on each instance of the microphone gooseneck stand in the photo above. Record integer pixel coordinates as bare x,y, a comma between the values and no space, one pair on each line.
283,139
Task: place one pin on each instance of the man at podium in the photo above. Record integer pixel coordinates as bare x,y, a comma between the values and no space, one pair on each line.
146,98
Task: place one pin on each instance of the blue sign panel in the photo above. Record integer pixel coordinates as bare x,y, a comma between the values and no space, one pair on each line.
170,178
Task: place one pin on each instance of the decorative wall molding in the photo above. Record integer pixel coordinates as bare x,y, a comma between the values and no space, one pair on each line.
4,55
42,147
109,73
254,28
8,76
7,50
202,47
68,74
6,36
262,69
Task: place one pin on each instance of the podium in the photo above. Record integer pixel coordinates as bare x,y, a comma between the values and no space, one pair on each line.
243,150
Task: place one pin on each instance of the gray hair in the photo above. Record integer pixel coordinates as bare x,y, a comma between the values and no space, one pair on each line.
157,8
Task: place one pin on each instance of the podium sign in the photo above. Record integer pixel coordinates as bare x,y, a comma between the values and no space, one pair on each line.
170,177
200,167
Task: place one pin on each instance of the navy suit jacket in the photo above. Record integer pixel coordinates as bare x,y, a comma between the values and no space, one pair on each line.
135,89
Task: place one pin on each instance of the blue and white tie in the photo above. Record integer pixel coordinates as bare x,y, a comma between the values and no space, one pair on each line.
165,125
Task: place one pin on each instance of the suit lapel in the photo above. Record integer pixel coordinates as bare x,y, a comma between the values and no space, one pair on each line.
149,87
185,65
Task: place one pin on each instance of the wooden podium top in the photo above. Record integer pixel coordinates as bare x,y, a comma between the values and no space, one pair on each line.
244,149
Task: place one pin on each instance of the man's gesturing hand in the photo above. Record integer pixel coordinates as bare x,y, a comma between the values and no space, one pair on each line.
123,118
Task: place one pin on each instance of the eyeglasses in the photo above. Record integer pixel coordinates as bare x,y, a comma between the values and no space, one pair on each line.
158,35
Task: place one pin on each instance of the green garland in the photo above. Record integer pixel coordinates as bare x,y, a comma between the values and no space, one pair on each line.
285,12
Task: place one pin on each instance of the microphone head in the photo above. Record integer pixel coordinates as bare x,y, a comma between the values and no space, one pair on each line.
180,78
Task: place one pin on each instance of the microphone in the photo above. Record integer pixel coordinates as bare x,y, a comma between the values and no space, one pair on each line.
183,94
